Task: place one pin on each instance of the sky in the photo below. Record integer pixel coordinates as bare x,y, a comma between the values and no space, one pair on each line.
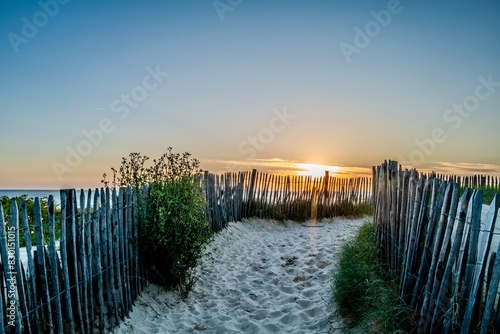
281,86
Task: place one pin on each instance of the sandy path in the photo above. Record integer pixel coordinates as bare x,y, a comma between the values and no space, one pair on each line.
256,277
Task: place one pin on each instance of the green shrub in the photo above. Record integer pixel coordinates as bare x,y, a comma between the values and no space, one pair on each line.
364,293
174,230
30,209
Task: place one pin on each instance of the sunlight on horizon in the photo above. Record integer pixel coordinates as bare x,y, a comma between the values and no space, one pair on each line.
317,170
286,167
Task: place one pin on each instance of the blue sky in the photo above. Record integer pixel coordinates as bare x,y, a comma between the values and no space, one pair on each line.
244,84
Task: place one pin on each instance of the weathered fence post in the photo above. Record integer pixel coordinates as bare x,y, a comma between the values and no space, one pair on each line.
41,266
248,210
54,267
37,313
83,254
492,290
97,265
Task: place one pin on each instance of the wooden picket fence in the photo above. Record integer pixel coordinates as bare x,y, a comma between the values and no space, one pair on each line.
233,196
478,181
433,241
87,281
481,182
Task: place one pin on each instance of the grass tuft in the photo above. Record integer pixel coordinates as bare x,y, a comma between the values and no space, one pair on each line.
363,291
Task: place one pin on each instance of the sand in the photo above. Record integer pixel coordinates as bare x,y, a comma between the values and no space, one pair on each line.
256,277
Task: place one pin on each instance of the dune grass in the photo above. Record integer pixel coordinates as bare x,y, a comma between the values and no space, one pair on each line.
301,210
363,292
488,194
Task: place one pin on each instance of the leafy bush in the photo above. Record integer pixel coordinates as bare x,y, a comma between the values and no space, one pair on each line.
174,230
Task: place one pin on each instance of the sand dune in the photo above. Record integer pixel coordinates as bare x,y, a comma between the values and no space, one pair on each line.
256,277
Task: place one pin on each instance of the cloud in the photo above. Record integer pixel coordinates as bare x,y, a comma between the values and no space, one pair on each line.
465,168
459,168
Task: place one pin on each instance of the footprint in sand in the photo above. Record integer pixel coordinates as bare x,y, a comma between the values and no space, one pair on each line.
260,278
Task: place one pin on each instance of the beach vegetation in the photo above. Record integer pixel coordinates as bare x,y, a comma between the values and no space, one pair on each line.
364,293
488,193
300,210
30,209
173,228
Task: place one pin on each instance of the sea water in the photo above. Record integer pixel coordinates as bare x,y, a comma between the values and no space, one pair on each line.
32,193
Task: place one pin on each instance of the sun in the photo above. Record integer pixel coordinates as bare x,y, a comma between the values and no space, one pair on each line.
316,170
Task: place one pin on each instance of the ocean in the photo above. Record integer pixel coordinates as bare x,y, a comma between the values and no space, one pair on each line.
31,193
